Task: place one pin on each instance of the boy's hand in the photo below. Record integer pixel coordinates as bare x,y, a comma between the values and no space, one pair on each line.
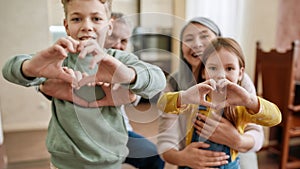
48,63
110,70
114,96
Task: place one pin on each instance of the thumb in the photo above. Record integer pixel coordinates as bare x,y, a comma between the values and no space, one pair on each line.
208,104
222,105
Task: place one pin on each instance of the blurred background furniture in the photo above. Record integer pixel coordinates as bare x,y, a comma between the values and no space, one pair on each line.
3,158
275,74
153,46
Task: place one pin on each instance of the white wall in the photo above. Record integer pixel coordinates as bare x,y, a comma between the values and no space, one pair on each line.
258,24
24,29
164,12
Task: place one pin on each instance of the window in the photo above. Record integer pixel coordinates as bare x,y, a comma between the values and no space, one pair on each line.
226,13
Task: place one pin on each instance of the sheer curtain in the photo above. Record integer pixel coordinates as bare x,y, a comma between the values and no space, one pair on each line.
226,13
288,25
288,29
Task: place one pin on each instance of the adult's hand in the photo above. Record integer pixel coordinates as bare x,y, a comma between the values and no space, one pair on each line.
222,131
195,157
62,90
217,129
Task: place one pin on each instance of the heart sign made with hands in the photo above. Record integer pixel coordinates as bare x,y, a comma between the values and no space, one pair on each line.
228,93
216,95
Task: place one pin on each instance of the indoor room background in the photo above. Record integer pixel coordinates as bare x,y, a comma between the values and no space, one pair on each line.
25,28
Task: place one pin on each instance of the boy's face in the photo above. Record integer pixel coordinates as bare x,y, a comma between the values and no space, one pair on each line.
223,64
86,20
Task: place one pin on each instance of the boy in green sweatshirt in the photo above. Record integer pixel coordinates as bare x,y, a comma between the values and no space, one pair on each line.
80,137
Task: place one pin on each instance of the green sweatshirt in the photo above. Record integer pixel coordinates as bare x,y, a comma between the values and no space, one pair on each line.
89,138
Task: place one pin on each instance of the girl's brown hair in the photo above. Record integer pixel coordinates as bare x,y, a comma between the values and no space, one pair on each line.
224,43
232,46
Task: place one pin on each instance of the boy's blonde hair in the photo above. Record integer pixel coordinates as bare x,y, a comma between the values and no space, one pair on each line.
107,3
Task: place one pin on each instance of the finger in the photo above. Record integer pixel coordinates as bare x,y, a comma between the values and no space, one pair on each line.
215,158
67,44
199,123
222,85
100,83
84,74
217,155
66,77
216,118
208,104
199,145
86,80
71,72
82,53
88,46
204,133
98,54
81,45
91,84
74,42
221,105
212,83
106,84
78,75
201,117
116,86
74,83
132,98
217,163
84,48
61,50
66,69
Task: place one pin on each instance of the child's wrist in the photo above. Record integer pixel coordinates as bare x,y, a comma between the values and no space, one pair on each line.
180,99
253,104
25,70
133,78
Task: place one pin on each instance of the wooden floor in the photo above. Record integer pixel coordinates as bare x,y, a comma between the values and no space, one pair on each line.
266,161
142,118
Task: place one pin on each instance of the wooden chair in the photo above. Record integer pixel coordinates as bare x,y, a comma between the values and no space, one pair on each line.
275,72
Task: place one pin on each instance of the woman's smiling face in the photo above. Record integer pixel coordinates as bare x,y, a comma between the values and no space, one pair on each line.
195,38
